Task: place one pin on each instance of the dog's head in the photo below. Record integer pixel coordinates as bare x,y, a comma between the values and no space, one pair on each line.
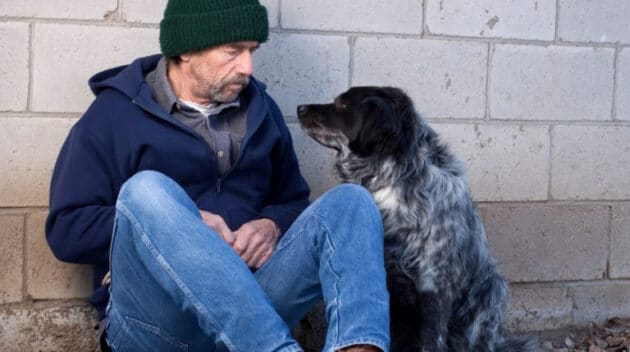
365,121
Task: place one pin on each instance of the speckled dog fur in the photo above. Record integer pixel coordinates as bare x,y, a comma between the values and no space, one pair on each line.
446,294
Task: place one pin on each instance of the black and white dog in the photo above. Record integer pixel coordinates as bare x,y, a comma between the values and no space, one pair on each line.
446,294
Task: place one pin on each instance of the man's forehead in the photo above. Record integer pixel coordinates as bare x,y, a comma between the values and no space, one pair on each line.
242,45
249,44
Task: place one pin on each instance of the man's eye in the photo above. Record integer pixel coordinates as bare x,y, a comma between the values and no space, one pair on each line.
232,52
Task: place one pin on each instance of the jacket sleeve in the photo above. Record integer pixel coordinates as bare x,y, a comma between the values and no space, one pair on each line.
289,193
83,192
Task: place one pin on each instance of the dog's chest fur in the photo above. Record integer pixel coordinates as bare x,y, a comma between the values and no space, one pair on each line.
414,216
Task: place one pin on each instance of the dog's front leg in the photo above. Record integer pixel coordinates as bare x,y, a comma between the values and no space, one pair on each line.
434,309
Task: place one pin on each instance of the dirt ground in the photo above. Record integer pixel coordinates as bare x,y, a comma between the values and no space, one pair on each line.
614,336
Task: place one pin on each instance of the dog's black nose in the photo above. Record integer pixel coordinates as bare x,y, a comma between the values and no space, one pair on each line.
301,109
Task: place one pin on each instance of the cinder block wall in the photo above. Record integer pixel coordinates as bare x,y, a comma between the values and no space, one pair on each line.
533,95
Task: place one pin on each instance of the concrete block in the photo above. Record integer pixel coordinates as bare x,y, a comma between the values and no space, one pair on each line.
594,21
538,307
530,19
50,327
14,56
551,83
273,9
151,11
316,162
69,9
47,277
372,16
623,85
590,162
80,51
600,301
28,150
504,162
444,78
549,243
301,69
620,241
144,11
11,257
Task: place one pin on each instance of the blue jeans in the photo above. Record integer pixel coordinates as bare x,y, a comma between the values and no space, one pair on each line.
177,286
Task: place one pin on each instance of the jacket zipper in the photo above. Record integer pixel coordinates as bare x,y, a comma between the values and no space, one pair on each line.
219,179
187,130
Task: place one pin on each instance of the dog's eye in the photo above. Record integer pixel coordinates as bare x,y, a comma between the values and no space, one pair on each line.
342,106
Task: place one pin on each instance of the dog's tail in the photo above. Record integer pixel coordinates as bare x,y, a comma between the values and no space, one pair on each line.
519,344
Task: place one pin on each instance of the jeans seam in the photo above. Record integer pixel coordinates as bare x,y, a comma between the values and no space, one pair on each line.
129,323
382,344
331,248
166,267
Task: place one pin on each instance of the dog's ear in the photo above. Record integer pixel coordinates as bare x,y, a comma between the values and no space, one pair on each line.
381,130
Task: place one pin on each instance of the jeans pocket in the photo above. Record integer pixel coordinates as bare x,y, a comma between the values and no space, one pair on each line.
137,336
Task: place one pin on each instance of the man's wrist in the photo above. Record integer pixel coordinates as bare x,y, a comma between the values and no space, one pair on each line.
274,226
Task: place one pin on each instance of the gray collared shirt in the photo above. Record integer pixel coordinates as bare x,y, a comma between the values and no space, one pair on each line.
223,129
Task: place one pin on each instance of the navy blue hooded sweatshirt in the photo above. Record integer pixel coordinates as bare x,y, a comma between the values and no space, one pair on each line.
125,131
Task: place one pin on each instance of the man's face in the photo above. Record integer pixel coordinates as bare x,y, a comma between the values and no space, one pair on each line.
220,73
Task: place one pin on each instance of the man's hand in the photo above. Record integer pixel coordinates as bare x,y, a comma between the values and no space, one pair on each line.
219,226
256,240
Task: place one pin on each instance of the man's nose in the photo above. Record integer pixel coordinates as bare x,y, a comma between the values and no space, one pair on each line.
245,63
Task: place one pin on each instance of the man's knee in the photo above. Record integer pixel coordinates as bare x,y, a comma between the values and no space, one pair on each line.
352,198
149,204
349,211
142,185
350,189
148,192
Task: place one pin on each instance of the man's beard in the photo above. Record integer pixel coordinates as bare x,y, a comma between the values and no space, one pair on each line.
221,92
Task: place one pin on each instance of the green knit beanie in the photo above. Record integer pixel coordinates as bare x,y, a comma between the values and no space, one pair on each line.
192,25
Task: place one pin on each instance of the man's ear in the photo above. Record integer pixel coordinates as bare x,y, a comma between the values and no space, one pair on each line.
185,57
